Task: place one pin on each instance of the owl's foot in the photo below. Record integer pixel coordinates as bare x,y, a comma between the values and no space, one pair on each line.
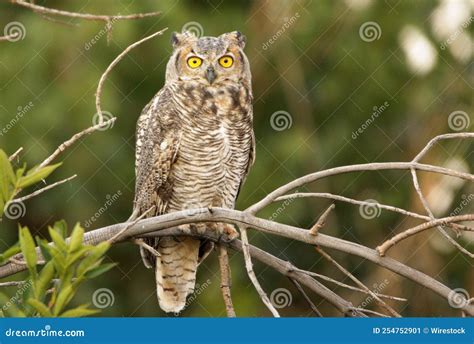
227,232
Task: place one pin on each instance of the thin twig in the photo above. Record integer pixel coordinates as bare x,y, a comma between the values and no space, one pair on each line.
424,201
12,283
356,280
369,311
306,297
16,154
46,188
86,16
321,221
73,139
379,166
352,201
116,237
226,281
251,273
147,247
382,249
347,286
112,65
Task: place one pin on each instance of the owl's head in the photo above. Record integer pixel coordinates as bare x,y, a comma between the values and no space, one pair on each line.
208,60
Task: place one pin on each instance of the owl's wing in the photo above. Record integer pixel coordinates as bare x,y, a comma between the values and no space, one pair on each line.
250,161
157,144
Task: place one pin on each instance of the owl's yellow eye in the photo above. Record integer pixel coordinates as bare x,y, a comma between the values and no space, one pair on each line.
194,62
226,61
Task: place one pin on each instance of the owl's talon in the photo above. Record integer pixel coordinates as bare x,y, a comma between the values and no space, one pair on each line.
230,232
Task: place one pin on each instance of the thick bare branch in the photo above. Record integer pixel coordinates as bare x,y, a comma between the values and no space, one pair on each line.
166,225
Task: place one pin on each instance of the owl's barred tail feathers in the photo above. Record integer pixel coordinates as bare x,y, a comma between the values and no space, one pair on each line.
175,271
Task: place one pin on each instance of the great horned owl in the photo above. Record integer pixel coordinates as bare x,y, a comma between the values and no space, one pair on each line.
194,147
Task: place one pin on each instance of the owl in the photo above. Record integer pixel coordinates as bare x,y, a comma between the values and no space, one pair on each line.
194,147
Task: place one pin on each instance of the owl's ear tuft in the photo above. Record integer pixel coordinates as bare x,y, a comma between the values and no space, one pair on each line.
179,38
237,38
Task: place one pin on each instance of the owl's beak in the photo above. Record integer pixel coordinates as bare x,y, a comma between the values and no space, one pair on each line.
210,74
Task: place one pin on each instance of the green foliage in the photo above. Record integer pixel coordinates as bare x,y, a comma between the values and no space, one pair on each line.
68,263
12,181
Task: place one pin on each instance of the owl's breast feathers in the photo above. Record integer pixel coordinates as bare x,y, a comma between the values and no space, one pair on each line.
195,145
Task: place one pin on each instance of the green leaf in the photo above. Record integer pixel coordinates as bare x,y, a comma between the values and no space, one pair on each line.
58,259
61,228
58,240
99,270
44,280
74,257
7,177
20,171
35,175
15,249
64,297
78,312
77,237
28,249
41,308
9,308
44,248
95,254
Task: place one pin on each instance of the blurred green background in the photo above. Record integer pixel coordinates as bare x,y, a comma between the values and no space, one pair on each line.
358,80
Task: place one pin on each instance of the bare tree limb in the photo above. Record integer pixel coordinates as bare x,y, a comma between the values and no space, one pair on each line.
356,280
96,17
16,154
226,281
309,178
307,298
166,225
321,221
251,273
73,139
382,249
112,65
46,188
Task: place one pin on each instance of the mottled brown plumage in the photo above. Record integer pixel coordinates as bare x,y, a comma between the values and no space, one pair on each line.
194,148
